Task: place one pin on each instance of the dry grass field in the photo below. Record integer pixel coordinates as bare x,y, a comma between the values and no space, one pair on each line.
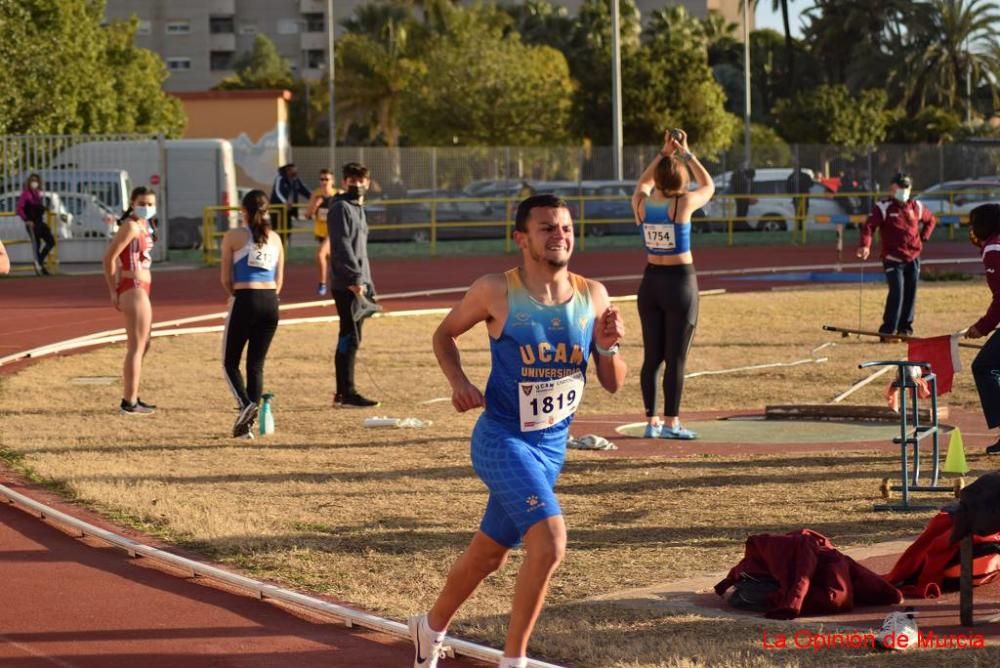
375,516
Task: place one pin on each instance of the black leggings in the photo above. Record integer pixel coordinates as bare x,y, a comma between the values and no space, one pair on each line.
41,233
986,371
253,318
668,310
348,341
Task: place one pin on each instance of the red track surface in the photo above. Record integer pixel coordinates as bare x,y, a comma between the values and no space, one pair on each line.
67,603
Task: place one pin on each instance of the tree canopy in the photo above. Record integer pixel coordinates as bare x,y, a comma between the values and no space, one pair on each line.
64,72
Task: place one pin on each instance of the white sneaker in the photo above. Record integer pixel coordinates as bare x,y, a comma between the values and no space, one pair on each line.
244,421
899,631
428,646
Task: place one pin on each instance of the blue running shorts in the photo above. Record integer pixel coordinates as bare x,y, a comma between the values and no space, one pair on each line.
520,470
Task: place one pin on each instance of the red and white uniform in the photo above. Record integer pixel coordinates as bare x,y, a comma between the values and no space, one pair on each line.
136,257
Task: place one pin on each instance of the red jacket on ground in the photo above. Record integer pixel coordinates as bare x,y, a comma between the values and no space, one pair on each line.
903,228
930,565
991,262
813,577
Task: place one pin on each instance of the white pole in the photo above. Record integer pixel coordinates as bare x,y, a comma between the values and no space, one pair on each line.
746,83
616,87
330,57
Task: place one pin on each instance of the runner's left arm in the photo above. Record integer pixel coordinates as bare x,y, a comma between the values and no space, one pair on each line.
279,274
609,330
4,260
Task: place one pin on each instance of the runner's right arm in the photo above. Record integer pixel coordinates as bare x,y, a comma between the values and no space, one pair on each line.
478,305
4,260
127,231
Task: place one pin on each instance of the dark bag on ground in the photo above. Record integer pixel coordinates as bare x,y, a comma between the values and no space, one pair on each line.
753,593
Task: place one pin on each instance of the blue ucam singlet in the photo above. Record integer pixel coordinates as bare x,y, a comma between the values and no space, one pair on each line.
661,235
539,362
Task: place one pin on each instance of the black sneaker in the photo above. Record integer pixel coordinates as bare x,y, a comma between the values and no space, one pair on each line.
144,404
134,409
244,421
355,401
993,449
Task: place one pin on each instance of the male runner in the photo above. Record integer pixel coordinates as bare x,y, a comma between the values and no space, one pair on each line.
544,323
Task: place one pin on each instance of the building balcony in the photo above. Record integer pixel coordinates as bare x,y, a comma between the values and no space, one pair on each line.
312,6
222,42
220,7
313,41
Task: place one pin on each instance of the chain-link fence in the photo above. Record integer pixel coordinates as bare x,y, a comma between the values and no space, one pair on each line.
453,169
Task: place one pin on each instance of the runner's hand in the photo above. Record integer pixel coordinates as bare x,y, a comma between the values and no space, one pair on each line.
609,328
114,300
466,396
864,252
973,333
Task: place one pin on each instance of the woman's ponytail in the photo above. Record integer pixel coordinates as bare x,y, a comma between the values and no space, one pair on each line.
255,202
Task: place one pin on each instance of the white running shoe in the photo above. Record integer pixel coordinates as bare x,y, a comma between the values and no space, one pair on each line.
899,631
428,646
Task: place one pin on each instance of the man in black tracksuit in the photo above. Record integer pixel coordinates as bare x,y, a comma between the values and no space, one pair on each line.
351,277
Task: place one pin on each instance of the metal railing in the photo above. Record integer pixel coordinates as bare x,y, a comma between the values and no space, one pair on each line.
432,220
20,266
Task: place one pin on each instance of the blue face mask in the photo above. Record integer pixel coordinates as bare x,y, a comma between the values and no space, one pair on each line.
144,212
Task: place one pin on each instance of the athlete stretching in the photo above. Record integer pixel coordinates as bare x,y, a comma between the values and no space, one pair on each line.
543,323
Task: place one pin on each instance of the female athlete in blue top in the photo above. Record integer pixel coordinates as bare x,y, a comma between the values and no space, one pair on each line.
668,294
544,323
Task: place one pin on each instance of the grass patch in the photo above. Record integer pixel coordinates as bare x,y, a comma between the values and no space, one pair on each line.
375,516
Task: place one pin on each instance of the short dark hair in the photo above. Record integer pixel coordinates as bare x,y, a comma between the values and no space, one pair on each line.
535,202
355,170
985,221
902,180
325,171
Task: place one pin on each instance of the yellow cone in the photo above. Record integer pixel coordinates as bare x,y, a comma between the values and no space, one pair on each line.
955,461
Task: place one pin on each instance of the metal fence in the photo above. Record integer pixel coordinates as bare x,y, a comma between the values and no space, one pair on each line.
450,169
86,181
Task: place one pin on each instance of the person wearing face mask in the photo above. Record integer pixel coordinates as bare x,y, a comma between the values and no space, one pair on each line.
351,277
31,209
984,233
904,226
253,267
127,263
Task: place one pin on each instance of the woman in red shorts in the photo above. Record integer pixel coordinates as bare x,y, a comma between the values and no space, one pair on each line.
127,263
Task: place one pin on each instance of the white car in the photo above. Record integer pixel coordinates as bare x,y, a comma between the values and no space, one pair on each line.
960,197
63,222
91,217
772,213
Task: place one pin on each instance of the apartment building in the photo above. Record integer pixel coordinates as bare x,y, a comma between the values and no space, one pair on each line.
200,40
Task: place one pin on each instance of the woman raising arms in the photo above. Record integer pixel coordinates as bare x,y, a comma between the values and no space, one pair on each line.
668,295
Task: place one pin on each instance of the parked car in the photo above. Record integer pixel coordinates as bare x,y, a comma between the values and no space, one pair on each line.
91,217
62,224
960,197
773,213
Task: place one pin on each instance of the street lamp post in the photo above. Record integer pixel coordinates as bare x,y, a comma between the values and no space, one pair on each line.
746,83
330,57
616,88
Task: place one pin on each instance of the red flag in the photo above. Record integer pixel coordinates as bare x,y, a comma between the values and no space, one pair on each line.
942,354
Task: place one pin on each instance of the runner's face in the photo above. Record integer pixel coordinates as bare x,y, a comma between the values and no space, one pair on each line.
549,237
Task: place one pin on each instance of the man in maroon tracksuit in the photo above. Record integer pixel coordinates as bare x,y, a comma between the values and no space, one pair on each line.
984,232
904,225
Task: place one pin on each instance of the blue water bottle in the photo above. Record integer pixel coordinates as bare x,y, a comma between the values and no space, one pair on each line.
266,415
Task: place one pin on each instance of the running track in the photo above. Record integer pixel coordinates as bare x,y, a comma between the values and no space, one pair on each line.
68,602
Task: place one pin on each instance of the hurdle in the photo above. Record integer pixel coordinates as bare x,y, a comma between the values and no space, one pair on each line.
912,435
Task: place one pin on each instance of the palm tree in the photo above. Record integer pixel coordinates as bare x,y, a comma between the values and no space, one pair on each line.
789,58
962,40
720,38
373,65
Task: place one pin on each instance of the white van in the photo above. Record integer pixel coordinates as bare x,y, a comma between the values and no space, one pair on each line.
200,173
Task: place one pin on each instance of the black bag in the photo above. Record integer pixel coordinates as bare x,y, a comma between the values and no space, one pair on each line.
753,593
